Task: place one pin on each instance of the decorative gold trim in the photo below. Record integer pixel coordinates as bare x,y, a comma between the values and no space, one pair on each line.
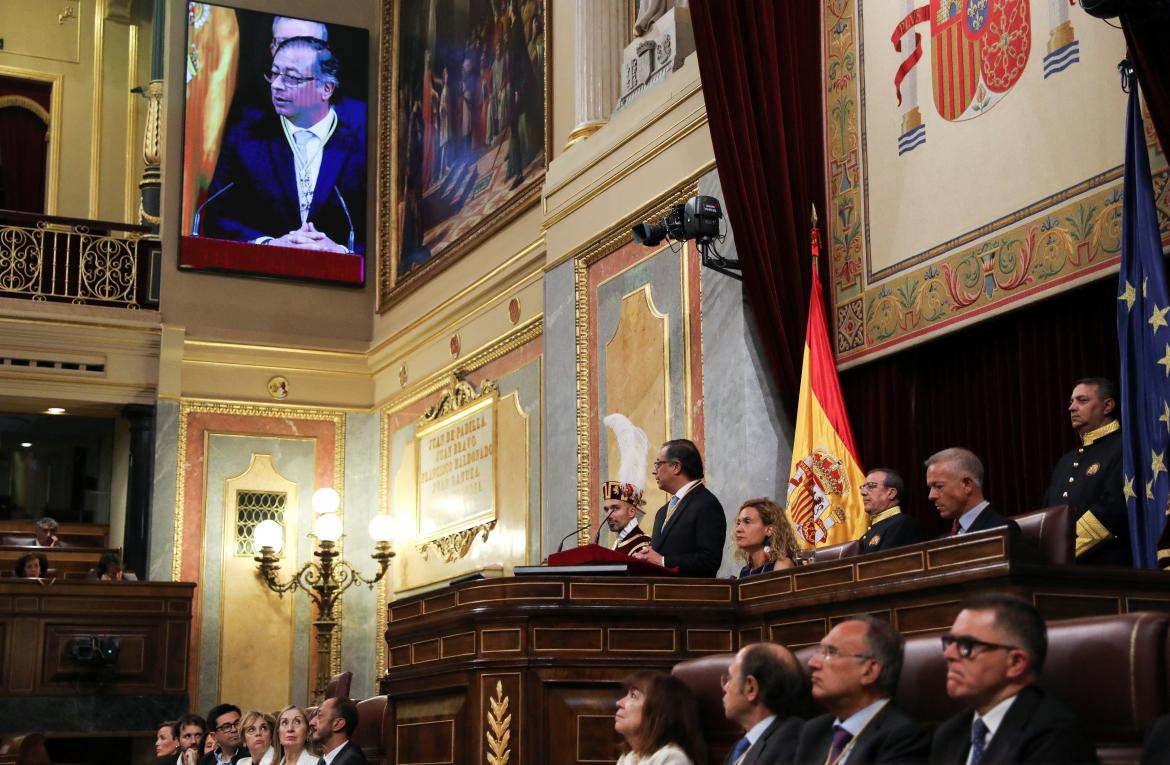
1110,427
1090,533
456,545
392,288
133,197
499,722
583,131
460,394
889,512
101,9
24,102
611,239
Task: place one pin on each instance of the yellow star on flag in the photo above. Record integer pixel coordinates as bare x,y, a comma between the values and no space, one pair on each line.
1165,360
1157,463
1129,295
1158,317
1149,489
1165,413
1127,489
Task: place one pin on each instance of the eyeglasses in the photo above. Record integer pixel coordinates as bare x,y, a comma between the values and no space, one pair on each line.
290,80
225,727
660,463
870,485
830,652
966,646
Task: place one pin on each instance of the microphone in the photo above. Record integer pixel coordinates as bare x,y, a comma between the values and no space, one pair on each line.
345,209
600,526
206,202
579,529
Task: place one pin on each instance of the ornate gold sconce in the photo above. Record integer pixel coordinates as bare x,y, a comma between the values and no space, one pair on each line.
327,578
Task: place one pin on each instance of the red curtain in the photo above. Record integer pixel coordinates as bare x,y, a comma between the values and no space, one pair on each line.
22,160
760,63
999,388
1148,37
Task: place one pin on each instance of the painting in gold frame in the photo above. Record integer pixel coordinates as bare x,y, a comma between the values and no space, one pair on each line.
465,137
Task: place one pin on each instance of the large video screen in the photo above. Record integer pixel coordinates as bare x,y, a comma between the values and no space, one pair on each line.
274,146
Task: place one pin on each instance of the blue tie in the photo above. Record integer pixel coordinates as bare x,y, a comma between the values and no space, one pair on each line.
978,741
741,746
670,510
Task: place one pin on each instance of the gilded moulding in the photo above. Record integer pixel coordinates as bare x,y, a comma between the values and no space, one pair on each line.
610,240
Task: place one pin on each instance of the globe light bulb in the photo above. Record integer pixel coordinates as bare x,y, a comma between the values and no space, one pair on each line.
383,528
327,527
326,500
268,534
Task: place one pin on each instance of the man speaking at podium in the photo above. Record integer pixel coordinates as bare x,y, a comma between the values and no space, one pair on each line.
294,176
689,530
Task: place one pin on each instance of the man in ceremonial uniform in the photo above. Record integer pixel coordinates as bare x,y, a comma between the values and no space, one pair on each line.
621,504
1089,477
854,675
889,527
689,530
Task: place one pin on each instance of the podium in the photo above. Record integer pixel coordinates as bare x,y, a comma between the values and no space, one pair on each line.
595,560
208,253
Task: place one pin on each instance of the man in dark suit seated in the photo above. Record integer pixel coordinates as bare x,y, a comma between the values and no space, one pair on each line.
689,529
955,479
854,676
331,730
760,692
224,720
295,175
889,527
994,653
1089,477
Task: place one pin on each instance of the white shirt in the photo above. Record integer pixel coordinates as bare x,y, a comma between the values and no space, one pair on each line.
992,720
667,755
967,518
328,756
757,730
314,150
626,531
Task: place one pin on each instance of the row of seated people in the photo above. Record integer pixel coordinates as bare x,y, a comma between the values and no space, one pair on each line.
46,532
292,736
35,565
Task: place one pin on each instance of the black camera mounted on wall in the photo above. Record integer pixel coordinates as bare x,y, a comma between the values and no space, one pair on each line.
698,219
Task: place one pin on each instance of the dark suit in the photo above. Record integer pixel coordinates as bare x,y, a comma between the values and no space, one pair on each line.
1157,742
211,759
1089,479
693,540
896,531
349,754
255,157
990,519
776,745
889,737
1036,729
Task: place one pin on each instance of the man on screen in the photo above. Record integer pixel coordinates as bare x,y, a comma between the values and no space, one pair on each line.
296,176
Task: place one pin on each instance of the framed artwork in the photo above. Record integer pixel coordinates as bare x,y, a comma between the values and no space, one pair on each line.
274,146
464,143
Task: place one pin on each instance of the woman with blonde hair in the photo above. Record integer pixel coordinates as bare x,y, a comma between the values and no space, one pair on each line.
256,733
764,537
292,736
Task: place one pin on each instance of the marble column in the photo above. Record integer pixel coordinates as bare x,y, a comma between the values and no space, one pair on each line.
139,483
601,30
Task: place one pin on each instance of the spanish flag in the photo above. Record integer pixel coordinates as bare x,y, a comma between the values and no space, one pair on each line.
824,487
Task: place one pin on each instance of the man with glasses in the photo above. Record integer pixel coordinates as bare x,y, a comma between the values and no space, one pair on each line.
689,530
761,690
854,675
224,720
889,527
294,176
994,653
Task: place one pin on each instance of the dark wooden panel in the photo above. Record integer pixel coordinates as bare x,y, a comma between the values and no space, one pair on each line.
400,655
462,644
546,639
708,593
1068,606
501,639
611,591
424,650
709,641
798,633
641,640
424,743
578,723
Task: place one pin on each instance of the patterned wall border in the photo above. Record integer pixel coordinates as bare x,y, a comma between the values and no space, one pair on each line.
1067,238
611,239
188,407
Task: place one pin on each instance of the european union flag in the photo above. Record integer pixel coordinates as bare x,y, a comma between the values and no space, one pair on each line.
1143,334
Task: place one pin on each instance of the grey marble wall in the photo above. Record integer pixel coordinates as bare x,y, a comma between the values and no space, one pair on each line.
359,609
559,427
162,510
748,435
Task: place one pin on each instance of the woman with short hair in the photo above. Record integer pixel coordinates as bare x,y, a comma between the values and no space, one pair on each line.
256,733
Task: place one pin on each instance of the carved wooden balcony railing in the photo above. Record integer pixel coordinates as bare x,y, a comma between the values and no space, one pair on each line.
88,262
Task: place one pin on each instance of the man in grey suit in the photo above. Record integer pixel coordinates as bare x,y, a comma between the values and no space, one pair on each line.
763,686
854,675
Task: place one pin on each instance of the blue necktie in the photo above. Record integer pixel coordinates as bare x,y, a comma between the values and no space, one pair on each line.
670,510
741,746
978,741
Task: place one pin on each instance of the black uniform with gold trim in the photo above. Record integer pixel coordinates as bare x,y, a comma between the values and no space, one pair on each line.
636,541
889,529
1089,479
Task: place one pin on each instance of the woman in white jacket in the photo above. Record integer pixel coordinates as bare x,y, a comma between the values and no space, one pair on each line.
256,732
292,735
659,720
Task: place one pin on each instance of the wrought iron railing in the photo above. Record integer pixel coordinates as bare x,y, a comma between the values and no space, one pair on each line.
91,262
